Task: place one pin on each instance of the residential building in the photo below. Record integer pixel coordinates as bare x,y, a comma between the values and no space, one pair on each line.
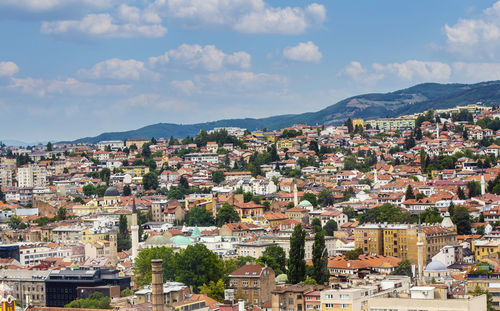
254,283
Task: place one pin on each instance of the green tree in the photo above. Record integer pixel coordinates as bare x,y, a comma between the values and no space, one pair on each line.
146,152
96,300
431,215
197,265
462,219
325,197
403,268
354,254
199,216
309,196
409,193
316,224
214,290
15,222
461,194
474,188
385,213
227,214
150,181
105,174
89,190
61,213
142,264
275,257
123,237
296,263
330,227
126,292
127,191
49,146
349,125
78,200
218,177
310,281
320,258
349,211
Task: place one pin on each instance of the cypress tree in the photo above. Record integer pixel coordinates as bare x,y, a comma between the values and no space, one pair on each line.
461,194
320,258
296,263
409,193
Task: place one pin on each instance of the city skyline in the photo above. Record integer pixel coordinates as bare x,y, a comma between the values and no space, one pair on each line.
70,69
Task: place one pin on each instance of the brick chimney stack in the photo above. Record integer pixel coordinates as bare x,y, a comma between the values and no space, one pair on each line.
157,285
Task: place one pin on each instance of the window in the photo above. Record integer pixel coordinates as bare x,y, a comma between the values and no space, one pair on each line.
290,301
329,305
344,296
245,283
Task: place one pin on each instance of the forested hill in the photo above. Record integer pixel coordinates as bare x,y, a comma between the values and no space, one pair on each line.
368,106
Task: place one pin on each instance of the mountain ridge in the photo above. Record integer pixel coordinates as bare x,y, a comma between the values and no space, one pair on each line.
417,98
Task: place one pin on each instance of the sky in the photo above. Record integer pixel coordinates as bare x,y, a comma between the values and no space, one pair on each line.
77,68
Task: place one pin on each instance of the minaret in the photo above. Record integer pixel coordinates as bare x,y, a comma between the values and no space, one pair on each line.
483,185
437,130
375,176
420,251
157,297
295,195
135,232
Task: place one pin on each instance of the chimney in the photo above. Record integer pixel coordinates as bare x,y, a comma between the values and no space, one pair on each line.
157,285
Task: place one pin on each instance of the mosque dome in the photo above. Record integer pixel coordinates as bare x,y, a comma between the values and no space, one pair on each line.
305,203
435,266
111,192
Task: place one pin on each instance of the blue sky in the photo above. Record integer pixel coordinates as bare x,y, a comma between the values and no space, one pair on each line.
75,68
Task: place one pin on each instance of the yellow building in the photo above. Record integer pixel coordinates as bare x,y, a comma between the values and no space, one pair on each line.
284,143
358,122
270,137
89,235
392,123
483,249
135,171
369,238
400,240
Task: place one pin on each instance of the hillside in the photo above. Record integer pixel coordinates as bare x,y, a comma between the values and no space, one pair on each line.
368,106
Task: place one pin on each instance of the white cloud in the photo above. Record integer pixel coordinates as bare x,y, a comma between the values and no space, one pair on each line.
417,70
117,69
247,16
105,26
303,52
476,37
207,57
70,86
411,70
282,21
8,69
356,72
187,86
477,72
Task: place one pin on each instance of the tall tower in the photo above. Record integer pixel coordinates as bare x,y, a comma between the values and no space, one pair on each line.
113,252
295,195
483,185
437,130
375,176
420,251
135,232
158,299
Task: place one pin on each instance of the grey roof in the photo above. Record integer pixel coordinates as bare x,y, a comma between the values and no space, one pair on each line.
435,266
111,192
